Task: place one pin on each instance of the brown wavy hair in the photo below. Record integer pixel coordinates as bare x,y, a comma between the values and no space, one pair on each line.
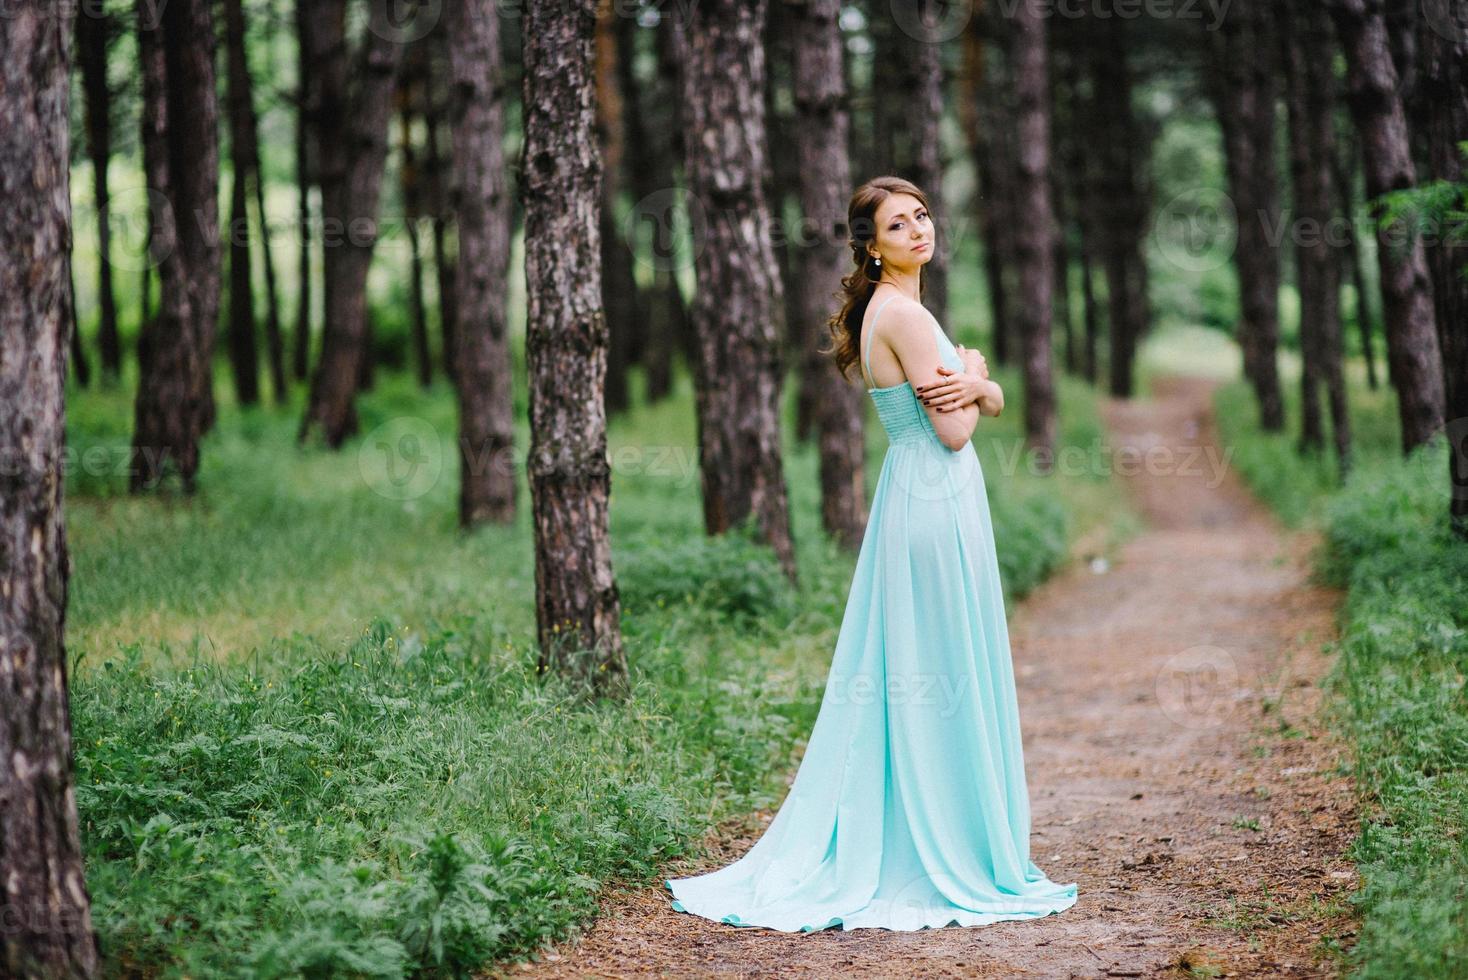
857,288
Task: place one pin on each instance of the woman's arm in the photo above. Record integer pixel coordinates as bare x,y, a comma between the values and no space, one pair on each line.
958,388
908,332
991,402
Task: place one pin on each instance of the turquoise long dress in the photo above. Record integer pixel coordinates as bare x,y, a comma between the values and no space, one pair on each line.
909,809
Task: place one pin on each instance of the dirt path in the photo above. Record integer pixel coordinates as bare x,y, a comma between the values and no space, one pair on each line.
1177,770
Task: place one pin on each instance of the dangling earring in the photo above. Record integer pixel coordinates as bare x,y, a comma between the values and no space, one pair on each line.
877,260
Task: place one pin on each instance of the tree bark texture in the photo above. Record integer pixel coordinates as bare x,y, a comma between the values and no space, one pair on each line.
619,286
44,902
1121,198
1243,92
482,210
1307,47
577,606
170,414
1035,229
353,143
1442,99
1413,352
93,35
918,101
738,372
243,356
824,169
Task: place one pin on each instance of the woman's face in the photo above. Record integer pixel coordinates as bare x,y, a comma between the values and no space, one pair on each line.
904,232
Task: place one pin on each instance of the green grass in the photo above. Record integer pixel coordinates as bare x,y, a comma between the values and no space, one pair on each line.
310,739
1397,685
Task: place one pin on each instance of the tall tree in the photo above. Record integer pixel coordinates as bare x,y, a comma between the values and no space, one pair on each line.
244,126
1307,49
1441,108
174,404
308,110
1413,352
352,142
1076,178
482,207
919,150
94,33
44,901
1343,177
1122,196
824,180
194,140
1035,232
653,146
738,373
578,612
243,356
989,121
411,79
620,298
1243,93
440,191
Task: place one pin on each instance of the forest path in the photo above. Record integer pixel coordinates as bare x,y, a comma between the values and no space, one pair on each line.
1177,767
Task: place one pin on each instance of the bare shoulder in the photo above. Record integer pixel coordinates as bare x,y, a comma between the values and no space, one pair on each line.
907,328
905,319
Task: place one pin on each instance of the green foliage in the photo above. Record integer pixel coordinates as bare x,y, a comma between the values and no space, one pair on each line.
1404,656
1037,529
732,575
1398,683
1295,485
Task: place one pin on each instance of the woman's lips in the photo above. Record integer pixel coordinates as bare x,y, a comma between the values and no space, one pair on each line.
919,248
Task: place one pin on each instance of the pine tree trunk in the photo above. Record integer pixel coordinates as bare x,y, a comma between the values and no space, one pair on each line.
44,902
738,373
1442,101
93,37
307,109
1034,238
824,173
168,410
1076,177
1061,260
619,287
243,356
1244,98
353,153
577,608
1121,203
1413,352
440,194
781,179
194,132
1343,177
990,123
1307,49
919,158
411,80
653,150
482,208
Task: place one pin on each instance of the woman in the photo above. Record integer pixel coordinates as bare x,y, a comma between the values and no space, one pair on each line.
909,809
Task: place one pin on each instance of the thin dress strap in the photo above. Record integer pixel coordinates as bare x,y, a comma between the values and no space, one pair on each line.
867,340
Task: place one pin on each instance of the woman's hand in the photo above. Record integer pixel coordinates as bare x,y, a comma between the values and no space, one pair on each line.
974,361
956,389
